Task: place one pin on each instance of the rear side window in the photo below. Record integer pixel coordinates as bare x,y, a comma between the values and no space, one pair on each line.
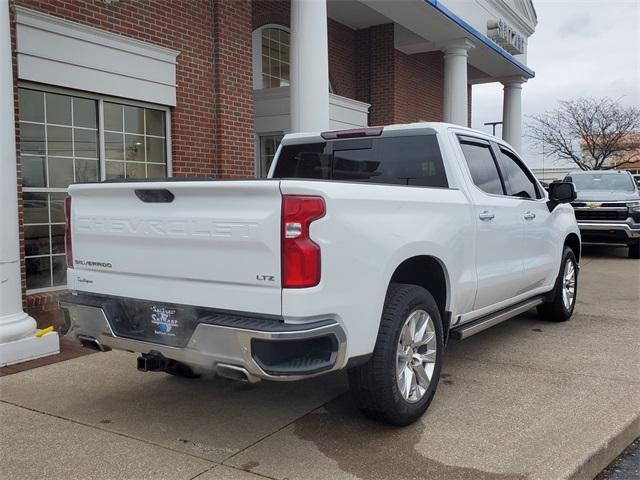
482,166
304,161
414,160
517,180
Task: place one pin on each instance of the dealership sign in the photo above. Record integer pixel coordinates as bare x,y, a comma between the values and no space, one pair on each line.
504,35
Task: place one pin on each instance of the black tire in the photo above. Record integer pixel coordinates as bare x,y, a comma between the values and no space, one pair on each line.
555,309
373,385
634,250
178,369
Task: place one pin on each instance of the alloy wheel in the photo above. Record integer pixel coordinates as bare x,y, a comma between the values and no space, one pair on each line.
416,355
568,285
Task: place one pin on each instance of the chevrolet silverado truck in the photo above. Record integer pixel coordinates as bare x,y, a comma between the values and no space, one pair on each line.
608,208
364,249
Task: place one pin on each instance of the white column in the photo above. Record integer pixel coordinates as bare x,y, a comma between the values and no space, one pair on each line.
17,329
309,59
455,105
512,112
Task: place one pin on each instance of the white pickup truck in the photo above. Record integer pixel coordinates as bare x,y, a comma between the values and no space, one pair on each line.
365,249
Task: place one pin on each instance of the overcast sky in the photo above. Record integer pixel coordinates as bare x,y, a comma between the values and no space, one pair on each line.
579,48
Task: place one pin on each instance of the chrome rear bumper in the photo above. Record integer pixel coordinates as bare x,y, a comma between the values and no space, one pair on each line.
213,347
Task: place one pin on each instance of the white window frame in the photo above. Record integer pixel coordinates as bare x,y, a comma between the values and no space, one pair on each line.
101,154
256,46
258,149
101,99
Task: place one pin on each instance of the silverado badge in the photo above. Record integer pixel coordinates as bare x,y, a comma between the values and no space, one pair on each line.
593,204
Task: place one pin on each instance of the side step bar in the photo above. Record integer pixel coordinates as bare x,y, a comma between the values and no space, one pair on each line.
468,329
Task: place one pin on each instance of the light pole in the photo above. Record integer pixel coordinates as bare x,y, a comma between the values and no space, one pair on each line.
543,160
493,125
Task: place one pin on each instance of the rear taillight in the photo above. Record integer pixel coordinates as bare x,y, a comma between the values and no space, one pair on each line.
300,254
67,232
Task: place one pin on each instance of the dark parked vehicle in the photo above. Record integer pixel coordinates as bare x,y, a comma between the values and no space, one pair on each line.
608,208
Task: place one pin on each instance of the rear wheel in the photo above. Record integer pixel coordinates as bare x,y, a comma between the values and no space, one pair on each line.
634,250
561,306
399,381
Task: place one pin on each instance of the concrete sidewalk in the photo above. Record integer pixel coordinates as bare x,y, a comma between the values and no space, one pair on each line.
525,399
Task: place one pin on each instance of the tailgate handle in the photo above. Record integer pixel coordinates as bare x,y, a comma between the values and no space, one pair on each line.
155,195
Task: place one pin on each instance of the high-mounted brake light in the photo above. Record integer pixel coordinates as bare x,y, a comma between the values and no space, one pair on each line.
67,232
300,254
352,133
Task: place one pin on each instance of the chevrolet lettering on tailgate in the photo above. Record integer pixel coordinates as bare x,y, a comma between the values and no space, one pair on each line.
173,227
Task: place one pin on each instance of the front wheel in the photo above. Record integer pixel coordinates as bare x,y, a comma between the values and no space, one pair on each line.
563,301
399,381
634,250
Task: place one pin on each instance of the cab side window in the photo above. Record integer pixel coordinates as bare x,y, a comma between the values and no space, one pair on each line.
518,181
482,165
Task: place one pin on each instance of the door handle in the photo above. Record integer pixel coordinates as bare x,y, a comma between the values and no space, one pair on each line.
529,215
486,215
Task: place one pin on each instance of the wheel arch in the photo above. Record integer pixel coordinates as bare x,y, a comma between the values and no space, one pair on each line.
430,273
573,242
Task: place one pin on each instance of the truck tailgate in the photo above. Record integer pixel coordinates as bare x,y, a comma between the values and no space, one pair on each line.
215,244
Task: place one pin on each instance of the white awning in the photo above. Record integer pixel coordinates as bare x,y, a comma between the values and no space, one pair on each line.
58,52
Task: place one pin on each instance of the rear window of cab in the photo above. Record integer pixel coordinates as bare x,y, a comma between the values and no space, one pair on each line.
403,160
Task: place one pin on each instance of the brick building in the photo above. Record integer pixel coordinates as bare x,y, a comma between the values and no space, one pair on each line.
630,160
107,89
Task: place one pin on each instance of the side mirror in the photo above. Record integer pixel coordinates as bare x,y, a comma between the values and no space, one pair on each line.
561,192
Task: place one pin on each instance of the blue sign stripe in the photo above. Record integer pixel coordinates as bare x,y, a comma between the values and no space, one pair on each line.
480,36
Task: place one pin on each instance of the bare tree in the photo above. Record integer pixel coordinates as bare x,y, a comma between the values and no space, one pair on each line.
594,133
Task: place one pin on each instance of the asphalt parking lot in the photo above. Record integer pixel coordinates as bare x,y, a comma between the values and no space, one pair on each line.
525,399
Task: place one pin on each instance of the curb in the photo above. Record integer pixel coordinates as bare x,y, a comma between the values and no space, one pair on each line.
607,452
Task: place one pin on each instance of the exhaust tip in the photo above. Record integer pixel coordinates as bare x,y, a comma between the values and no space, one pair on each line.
92,343
233,372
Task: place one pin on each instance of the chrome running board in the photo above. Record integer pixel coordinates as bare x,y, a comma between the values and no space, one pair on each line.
476,326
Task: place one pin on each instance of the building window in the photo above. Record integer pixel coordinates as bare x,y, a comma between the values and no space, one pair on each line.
60,144
44,240
268,146
134,142
271,57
